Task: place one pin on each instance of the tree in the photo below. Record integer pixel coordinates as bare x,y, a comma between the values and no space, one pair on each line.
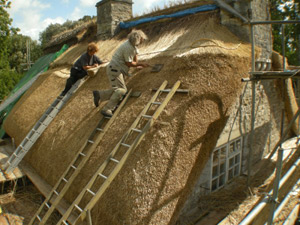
18,51
5,30
287,10
49,32
8,77
56,29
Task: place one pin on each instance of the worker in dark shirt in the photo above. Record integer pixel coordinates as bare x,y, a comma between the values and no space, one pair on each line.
86,61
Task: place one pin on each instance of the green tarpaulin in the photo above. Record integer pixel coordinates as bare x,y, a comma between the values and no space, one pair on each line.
40,66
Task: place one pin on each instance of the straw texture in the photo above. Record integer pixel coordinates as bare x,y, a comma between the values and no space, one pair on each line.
158,177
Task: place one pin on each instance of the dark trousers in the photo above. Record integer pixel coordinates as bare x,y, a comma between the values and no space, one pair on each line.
75,75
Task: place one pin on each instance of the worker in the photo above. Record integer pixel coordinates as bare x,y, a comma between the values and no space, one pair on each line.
86,61
123,58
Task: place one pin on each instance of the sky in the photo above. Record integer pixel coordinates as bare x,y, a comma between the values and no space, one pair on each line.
34,16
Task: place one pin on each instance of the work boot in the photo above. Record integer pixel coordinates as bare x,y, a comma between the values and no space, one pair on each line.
107,113
61,95
96,98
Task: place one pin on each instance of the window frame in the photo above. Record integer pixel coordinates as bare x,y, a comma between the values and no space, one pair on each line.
219,177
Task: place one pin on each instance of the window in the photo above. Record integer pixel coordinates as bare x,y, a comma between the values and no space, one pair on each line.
226,163
296,86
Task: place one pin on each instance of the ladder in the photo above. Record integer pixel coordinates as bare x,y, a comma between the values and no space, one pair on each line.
65,181
16,157
105,174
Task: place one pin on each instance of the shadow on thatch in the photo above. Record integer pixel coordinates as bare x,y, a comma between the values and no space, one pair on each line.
207,141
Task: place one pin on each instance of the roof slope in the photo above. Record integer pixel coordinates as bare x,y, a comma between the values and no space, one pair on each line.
158,177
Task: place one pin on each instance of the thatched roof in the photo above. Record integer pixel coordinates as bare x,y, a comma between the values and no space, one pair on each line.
86,31
158,177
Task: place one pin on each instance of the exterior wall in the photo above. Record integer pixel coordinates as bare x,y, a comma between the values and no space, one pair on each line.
263,33
255,10
109,14
267,131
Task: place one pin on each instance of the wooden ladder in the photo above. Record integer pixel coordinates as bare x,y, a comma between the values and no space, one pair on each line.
106,173
65,181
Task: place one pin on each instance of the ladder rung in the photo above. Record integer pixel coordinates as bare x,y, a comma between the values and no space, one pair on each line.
65,222
77,207
90,141
156,103
39,218
126,145
82,154
65,180
74,167
91,192
136,130
55,192
114,160
99,129
147,116
48,206
49,115
101,175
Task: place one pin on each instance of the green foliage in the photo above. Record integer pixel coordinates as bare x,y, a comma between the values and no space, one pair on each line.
54,29
8,80
5,30
12,51
287,10
18,51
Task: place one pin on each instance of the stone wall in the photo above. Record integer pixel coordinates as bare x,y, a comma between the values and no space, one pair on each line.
255,10
268,109
263,33
109,14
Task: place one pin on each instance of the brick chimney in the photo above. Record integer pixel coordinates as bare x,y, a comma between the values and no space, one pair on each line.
109,14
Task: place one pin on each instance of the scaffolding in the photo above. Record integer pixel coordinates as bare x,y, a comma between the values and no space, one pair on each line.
268,75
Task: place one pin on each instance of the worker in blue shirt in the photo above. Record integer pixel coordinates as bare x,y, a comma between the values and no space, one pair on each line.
86,61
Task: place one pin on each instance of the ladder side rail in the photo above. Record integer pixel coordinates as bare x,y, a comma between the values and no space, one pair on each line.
146,108
19,92
136,142
79,167
114,173
114,151
11,166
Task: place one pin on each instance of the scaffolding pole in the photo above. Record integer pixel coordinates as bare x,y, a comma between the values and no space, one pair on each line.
253,79
252,109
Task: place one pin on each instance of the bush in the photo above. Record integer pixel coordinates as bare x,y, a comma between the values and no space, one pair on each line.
8,80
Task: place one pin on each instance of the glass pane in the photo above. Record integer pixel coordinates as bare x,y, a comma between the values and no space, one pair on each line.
222,168
214,185
231,148
237,159
215,157
238,145
215,172
221,180
230,174
223,154
236,170
231,162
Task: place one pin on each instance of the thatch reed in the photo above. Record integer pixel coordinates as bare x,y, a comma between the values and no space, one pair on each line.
157,179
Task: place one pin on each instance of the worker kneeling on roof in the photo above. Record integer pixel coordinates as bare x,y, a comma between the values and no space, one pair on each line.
124,58
86,61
